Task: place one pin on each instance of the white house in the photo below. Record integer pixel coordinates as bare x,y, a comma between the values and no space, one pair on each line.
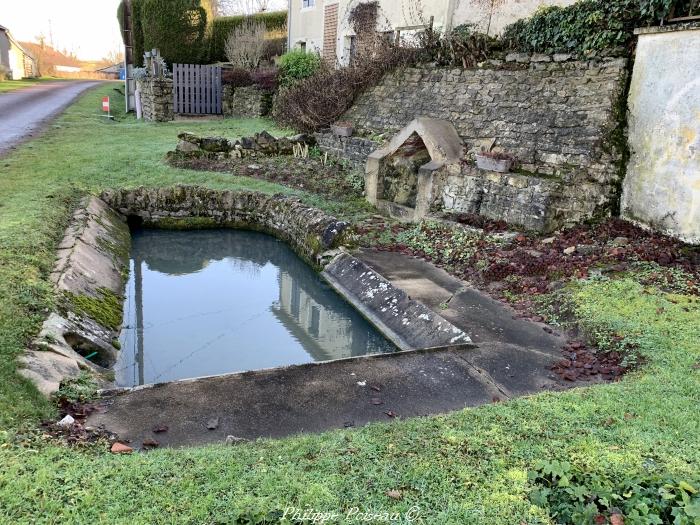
14,58
322,25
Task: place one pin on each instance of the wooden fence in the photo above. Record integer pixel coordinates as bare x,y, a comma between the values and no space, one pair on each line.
197,89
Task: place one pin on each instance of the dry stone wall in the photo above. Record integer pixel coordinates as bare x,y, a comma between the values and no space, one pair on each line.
245,102
354,150
309,231
562,120
156,99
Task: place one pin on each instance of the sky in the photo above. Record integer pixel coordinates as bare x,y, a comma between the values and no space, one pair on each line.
87,27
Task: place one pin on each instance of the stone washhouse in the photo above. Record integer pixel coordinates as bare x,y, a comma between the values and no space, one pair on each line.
559,118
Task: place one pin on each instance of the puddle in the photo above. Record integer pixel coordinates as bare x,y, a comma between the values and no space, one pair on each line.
211,302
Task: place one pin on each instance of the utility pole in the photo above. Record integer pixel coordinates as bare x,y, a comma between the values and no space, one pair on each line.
51,35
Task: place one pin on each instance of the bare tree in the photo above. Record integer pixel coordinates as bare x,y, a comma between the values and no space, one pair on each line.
115,56
491,7
245,46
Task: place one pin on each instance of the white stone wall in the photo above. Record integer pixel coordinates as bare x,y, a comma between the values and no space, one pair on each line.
662,186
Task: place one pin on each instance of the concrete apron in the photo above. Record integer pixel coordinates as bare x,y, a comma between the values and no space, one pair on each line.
511,359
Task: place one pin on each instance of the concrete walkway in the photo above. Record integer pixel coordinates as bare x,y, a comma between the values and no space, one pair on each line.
25,112
512,359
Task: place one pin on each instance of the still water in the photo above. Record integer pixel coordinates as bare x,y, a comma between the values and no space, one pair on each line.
208,302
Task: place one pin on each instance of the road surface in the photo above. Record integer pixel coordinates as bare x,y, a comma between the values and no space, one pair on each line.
25,112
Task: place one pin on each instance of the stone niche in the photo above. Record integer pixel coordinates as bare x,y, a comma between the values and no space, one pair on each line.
400,177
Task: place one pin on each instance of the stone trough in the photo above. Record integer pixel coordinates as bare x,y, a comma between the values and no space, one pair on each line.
92,268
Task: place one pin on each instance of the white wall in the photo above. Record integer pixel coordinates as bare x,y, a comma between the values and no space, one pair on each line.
467,11
662,186
306,24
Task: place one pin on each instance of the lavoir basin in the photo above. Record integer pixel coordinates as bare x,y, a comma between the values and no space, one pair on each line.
208,302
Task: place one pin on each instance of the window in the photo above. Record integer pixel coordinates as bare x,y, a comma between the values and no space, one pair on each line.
307,3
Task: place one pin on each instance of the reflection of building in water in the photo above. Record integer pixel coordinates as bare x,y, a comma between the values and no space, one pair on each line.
325,332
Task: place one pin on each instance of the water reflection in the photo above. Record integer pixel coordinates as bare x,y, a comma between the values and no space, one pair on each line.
217,301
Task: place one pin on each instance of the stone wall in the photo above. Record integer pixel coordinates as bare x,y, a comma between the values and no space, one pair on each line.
309,231
560,118
89,278
156,99
245,102
354,150
260,144
662,186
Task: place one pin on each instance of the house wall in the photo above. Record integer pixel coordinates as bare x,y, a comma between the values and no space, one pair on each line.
307,24
4,50
468,11
13,57
662,186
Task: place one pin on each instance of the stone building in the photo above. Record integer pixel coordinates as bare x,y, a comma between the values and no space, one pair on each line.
17,61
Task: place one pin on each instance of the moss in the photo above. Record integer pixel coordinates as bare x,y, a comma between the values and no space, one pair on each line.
615,142
105,309
186,223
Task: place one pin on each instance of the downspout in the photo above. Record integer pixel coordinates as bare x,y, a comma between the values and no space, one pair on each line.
289,25
451,6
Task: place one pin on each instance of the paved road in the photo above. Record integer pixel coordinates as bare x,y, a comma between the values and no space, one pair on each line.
25,112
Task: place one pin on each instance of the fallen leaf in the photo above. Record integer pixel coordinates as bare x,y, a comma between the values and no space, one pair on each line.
150,443
121,448
617,519
390,413
376,401
394,494
160,428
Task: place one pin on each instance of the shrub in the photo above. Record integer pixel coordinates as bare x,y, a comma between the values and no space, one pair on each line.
265,79
584,27
236,77
575,496
245,45
297,65
222,27
274,47
462,46
319,100
314,94
176,27
4,72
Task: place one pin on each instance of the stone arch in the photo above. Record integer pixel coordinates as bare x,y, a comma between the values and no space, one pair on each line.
445,148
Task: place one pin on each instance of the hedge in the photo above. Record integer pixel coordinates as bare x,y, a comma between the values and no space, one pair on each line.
221,28
137,23
584,27
137,26
177,28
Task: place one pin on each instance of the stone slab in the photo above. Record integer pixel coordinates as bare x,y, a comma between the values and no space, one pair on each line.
409,324
299,399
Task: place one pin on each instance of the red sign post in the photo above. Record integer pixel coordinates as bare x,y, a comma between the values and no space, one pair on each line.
105,106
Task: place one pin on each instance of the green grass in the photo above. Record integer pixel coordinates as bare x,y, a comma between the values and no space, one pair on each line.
467,467
11,85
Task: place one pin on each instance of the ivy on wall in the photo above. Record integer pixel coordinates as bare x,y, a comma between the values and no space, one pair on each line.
584,27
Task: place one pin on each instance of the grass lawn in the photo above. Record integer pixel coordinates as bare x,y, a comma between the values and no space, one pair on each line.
11,85
467,467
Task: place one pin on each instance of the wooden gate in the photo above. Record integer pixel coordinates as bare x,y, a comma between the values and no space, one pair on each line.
197,89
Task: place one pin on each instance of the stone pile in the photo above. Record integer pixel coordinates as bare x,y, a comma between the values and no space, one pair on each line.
260,144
